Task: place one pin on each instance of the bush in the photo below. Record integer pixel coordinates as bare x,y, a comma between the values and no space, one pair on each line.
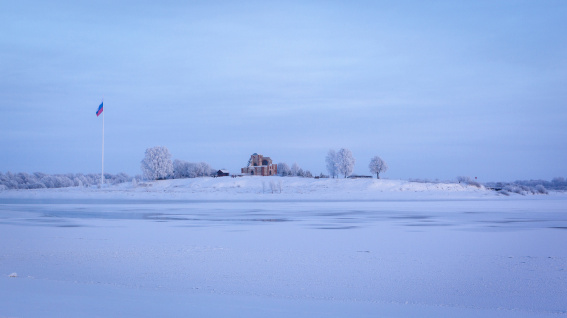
469,181
541,189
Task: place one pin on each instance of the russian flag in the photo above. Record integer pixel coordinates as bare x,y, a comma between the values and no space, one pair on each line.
99,111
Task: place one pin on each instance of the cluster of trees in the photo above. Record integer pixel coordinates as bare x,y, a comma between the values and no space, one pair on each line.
295,171
40,180
183,169
558,183
157,165
530,186
523,189
342,162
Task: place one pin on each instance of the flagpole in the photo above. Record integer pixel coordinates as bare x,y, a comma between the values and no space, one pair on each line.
102,174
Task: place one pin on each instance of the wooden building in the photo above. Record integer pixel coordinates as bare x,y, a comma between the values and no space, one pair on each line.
222,173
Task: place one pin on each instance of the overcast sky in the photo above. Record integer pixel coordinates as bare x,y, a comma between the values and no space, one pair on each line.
438,89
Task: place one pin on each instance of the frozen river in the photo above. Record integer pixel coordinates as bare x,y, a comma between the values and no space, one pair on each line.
465,258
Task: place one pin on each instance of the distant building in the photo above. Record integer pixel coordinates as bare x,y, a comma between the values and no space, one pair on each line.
222,173
259,165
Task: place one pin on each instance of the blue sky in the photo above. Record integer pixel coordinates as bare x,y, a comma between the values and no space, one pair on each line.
437,89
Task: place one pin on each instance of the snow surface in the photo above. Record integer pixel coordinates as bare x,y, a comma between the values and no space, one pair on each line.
219,247
260,188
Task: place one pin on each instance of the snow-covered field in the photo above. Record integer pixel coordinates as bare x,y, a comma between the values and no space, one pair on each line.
313,248
264,188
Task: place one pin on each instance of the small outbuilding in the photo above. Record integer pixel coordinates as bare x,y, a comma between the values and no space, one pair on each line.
222,173
355,176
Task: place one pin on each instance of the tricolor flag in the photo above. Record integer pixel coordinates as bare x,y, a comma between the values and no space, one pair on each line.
99,111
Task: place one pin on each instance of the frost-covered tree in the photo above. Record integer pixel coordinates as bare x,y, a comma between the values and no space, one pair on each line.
40,180
183,169
180,169
203,169
331,161
157,164
295,169
193,170
377,166
283,169
345,162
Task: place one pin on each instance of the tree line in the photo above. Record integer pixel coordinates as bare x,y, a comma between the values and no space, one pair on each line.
39,180
284,170
158,165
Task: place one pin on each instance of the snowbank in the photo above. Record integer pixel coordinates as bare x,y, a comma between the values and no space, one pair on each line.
266,188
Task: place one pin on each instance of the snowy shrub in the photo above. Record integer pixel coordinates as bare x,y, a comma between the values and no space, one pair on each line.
276,187
157,164
469,181
517,188
475,184
541,189
462,179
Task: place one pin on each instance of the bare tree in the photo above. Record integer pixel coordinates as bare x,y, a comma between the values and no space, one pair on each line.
377,166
